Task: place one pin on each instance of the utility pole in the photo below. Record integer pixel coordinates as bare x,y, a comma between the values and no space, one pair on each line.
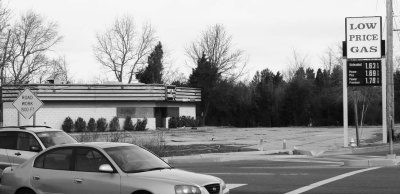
3,64
389,69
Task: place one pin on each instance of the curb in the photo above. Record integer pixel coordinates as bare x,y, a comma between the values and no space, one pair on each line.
371,163
192,160
232,156
358,150
311,152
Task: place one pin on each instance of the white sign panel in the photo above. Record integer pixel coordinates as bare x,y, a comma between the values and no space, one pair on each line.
363,37
27,104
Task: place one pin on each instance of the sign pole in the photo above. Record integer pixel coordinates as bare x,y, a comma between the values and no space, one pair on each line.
384,100
34,119
19,119
345,106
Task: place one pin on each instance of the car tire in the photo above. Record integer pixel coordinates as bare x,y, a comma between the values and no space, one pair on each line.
26,191
142,192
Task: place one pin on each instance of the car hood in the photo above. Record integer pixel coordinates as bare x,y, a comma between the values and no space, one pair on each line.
177,175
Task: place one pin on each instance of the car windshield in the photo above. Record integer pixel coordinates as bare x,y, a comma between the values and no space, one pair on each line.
52,138
135,159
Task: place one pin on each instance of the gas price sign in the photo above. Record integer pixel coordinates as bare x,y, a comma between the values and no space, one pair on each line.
364,73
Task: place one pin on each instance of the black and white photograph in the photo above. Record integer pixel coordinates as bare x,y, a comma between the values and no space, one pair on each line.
199,96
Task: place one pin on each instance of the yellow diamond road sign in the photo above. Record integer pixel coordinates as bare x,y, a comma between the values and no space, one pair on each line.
27,104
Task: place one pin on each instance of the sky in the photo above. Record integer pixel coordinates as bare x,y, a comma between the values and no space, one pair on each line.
266,30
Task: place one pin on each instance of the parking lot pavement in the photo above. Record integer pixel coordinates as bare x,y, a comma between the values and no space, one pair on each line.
260,176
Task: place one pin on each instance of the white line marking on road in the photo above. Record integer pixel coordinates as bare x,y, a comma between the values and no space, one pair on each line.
320,183
311,161
232,186
266,174
273,167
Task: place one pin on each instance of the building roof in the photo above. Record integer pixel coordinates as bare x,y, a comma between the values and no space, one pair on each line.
102,92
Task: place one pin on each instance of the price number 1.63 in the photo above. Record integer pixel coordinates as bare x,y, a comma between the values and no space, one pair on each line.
371,65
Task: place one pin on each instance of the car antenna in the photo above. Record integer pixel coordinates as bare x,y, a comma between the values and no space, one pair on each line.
8,156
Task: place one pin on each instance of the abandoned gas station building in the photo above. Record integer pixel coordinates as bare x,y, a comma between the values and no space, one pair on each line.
155,102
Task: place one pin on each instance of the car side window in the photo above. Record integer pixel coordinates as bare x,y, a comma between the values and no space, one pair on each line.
57,159
25,141
89,160
7,140
39,161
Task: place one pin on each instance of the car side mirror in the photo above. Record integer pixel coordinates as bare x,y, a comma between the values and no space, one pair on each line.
34,149
106,168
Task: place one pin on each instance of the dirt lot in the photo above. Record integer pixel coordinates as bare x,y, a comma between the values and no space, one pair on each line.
187,141
194,149
271,138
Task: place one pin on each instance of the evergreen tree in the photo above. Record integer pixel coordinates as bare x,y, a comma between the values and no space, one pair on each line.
297,100
396,80
152,74
205,76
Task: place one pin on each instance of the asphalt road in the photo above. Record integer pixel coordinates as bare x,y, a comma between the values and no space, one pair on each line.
259,177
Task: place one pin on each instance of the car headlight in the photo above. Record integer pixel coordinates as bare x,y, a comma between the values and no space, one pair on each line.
223,185
187,189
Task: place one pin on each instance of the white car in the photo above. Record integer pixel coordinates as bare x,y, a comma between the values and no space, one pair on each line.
104,167
19,143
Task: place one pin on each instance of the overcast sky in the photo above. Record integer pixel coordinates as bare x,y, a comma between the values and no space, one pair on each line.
266,30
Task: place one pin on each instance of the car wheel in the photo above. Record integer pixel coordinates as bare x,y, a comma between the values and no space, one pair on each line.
26,191
142,192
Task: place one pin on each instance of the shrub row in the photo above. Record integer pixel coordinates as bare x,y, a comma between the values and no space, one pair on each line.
183,121
101,125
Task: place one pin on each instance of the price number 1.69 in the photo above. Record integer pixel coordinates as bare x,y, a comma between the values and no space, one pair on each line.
371,73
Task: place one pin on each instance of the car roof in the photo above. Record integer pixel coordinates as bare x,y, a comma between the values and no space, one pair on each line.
98,144
29,128
107,144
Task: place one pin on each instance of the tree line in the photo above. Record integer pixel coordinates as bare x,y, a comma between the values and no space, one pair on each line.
296,96
309,98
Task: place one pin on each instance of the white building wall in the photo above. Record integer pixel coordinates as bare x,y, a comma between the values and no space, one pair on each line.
187,111
54,117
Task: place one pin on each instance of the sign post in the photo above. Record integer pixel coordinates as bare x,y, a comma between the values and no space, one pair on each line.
362,62
345,107
27,104
384,100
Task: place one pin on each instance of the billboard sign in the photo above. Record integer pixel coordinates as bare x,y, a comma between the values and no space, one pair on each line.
364,37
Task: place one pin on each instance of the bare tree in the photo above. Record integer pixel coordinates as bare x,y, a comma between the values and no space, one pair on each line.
296,61
171,72
100,78
331,57
56,68
363,96
396,63
122,48
5,16
31,38
217,45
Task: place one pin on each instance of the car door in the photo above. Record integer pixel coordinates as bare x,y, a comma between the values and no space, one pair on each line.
86,177
7,148
24,142
51,171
